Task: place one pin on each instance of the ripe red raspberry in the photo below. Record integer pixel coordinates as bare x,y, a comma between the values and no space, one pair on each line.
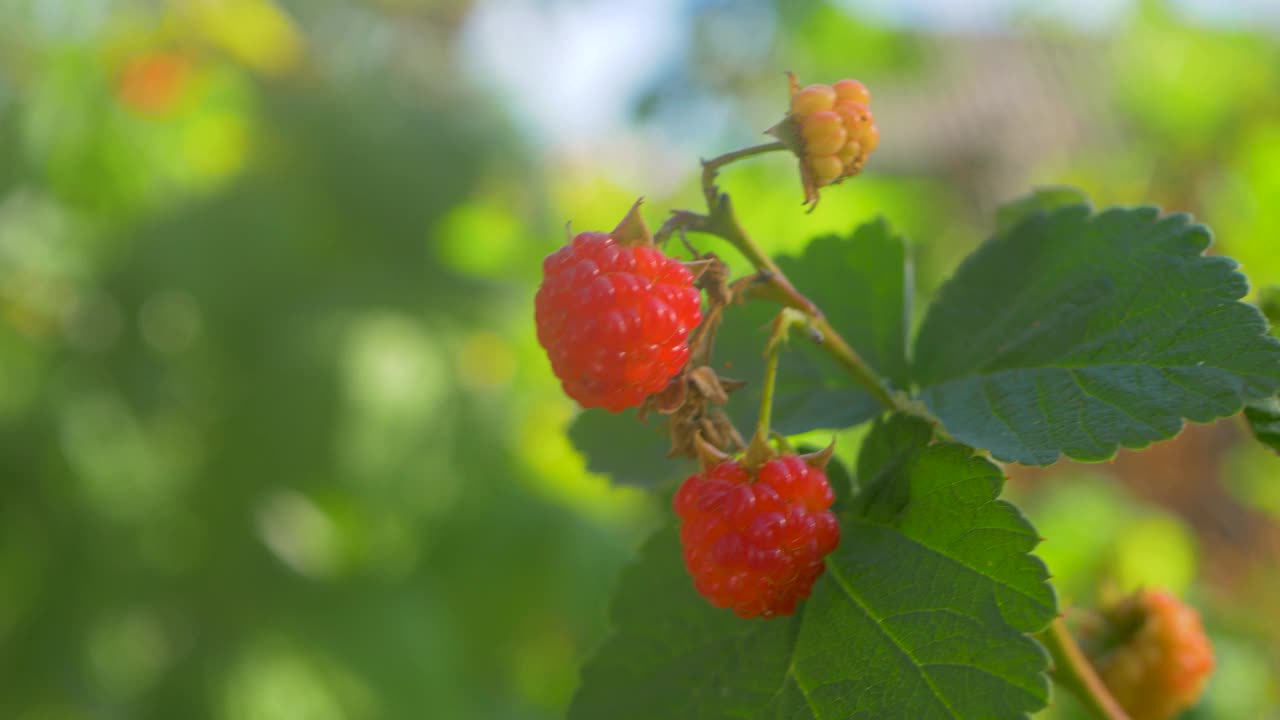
1163,665
615,319
756,543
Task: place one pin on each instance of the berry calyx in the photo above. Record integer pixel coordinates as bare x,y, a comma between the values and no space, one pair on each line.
1160,666
755,541
615,319
831,129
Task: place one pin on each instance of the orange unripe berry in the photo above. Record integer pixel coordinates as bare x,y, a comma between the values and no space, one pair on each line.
152,84
813,99
830,129
852,90
823,133
854,115
826,169
1162,669
850,154
869,138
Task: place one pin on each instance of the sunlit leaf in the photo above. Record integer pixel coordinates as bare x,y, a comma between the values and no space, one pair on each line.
629,451
1075,333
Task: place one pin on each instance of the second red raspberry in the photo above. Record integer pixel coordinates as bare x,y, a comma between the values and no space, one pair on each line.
757,543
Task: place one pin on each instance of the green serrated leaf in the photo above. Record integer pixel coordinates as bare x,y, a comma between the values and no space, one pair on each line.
673,655
1076,333
631,452
1040,200
938,602
810,393
925,616
891,447
862,282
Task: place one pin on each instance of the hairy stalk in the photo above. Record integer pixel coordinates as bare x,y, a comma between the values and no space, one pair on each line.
1073,672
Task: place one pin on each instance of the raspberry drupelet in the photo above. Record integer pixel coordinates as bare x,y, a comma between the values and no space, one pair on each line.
615,319
756,542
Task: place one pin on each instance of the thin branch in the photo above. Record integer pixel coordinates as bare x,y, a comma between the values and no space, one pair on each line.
1073,672
771,282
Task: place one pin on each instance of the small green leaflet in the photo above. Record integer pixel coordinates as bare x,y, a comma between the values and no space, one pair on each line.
922,614
1073,333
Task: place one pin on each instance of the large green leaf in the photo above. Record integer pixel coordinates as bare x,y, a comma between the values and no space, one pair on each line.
922,615
1073,333
1040,200
629,451
673,655
862,283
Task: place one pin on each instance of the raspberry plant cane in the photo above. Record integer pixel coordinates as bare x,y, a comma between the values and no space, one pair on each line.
1071,332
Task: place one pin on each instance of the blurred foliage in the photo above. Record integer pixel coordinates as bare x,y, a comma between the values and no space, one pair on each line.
276,438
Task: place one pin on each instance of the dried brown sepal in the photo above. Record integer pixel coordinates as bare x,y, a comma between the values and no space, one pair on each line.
633,230
759,452
708,455
698,416
670,399
714,280
820,458
707,383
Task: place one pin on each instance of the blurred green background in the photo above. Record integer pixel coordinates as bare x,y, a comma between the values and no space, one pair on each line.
276,438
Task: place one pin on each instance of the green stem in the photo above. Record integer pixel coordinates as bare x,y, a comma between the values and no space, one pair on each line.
711,167
1073,672
759,451
723,222
766,393
856,366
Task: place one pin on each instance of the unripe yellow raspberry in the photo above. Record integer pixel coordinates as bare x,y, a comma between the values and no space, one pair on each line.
850,155
1160,668
823,133
831,131
869,138
852,90
855,116
815,98
826,169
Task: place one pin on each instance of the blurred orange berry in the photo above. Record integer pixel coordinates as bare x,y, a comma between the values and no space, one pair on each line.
1160,669
852,90
815,98
152,84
